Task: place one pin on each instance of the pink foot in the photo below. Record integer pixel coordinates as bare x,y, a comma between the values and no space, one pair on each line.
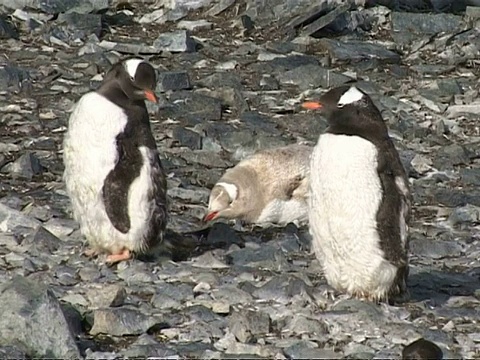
90,252
122,256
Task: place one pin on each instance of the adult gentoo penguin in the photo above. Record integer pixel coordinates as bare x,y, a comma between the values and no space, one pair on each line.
359,202
113,174
268,187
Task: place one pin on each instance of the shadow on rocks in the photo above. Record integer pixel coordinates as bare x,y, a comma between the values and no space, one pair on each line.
439,286
182,246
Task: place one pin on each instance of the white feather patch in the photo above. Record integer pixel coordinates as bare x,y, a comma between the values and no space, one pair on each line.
283,212
350,96
131,66
231,190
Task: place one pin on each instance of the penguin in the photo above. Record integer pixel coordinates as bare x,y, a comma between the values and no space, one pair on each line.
268,187
113,174
360,201
422,349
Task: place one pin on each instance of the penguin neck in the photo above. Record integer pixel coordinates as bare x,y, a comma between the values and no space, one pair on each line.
113,92
373,131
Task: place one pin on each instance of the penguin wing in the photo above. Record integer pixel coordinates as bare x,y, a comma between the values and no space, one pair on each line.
394,210
157,197
117,183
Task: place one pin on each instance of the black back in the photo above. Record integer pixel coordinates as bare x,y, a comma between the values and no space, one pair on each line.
363,119
119,88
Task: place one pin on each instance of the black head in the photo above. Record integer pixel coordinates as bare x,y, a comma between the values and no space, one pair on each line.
422,350
131,78
350,111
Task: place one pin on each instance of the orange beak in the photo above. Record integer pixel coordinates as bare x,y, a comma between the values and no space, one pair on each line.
312,105
210,216
150,96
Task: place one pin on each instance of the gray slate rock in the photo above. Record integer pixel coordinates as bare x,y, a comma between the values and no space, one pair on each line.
247,324
265,256
107,296
173,80
406,27
58,6
312,76
297,352
449,156
176,41
121,321
7,29
13,77
268,11
454,198
186,137
355,51
282,288
25,167
433,248
72,26
12,220
32,316
470,176
193,107
171,294
12,352
41,241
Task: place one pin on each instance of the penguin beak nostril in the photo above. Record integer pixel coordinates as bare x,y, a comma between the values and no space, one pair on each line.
312,105
150,96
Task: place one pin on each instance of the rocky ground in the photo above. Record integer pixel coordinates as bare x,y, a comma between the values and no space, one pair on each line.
232,76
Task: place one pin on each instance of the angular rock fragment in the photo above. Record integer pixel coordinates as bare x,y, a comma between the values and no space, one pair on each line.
355,51
42,241
173,80
74,26
121,321
12,77
33,317
177,41
11,220
408,26
312,76
194,25
194,107
7,29
25,167
433,248
247,324
59,6
107,296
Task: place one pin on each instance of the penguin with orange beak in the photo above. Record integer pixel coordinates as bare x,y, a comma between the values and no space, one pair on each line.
113,174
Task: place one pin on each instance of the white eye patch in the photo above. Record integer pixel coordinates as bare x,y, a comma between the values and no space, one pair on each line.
350,96
231,190
131,66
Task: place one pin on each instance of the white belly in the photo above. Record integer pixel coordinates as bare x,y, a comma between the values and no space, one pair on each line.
345,195
282,212
90,153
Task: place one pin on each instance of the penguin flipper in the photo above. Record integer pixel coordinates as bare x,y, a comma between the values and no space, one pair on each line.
115,199
117,183
158,196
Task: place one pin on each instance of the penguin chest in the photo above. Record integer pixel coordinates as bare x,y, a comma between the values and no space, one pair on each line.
345,196
90,149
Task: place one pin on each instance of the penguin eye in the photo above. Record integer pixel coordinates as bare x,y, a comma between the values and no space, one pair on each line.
340,105
132,78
